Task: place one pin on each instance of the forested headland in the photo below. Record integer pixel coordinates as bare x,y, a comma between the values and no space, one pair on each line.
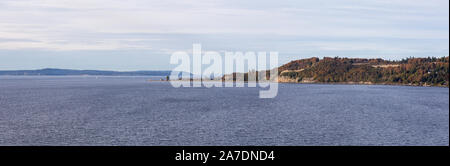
410,71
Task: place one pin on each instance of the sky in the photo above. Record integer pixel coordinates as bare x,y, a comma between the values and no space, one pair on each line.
142,34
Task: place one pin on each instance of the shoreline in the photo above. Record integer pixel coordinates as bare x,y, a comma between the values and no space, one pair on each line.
206,80
351,83
320,83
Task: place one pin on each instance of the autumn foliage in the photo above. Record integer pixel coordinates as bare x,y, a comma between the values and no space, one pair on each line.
410,71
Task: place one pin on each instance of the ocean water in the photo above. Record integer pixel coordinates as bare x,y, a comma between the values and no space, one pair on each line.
133,111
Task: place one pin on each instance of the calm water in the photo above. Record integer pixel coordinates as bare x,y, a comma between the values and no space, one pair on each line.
132,111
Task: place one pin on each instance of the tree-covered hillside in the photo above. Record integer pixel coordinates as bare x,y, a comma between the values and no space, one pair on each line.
410,71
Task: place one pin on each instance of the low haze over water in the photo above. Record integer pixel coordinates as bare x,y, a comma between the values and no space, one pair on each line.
133,111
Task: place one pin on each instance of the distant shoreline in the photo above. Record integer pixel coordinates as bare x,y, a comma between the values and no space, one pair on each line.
82,76
70,72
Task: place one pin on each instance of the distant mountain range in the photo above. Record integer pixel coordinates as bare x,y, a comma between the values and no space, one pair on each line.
63,72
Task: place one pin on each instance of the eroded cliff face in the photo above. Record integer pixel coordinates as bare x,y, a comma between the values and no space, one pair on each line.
287,79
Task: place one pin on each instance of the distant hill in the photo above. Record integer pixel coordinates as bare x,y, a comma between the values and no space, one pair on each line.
63,72
410,71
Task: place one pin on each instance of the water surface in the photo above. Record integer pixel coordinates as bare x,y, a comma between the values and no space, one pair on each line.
133,111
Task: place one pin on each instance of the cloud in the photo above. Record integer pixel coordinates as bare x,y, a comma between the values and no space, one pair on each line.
159,26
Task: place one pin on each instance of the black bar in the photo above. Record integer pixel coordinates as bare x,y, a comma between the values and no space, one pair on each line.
167,154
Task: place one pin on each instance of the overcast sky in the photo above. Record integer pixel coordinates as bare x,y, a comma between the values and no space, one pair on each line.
142,34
